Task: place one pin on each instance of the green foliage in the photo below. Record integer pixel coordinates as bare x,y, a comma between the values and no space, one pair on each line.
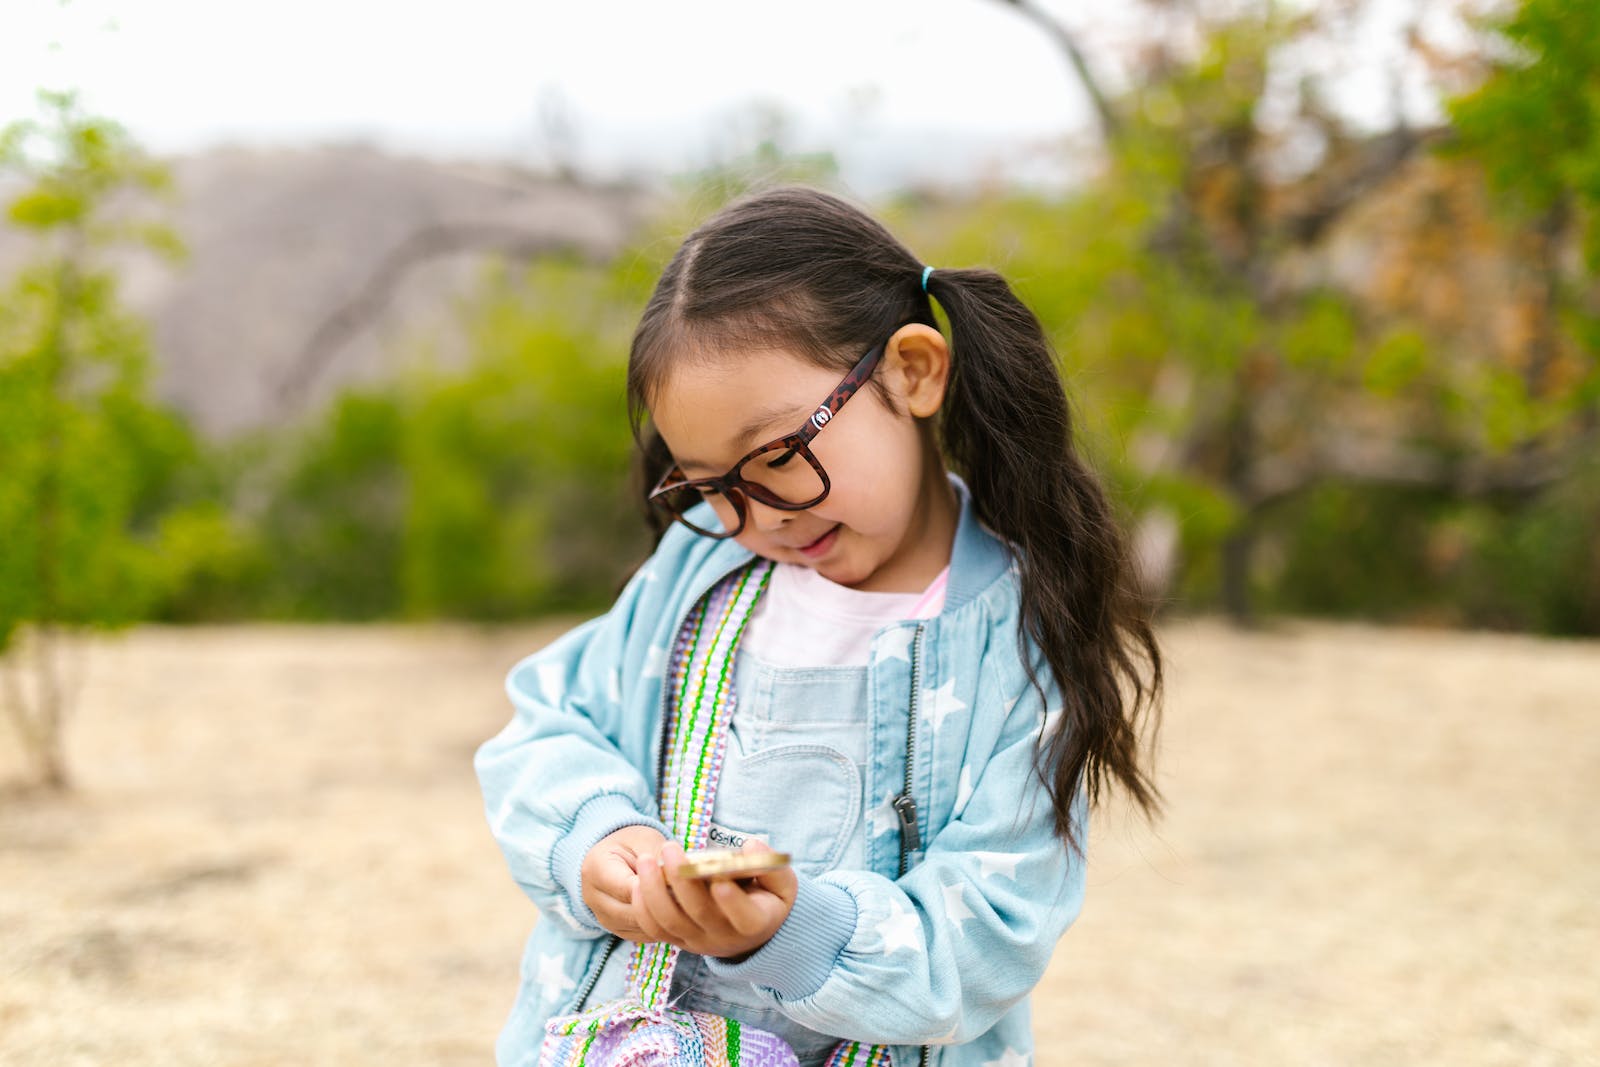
332,526
1398,359
89,469
1535,122
1534,127
494,490
1353,550
1536,567
1404,555
518,467
88,463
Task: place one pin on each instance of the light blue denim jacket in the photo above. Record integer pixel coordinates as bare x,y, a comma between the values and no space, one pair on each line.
944,955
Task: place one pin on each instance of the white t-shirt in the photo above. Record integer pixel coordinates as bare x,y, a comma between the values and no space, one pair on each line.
804,620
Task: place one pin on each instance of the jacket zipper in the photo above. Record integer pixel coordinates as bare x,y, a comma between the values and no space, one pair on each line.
905,805
594,975
661,770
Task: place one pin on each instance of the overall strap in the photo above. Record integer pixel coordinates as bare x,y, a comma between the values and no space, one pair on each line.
701,706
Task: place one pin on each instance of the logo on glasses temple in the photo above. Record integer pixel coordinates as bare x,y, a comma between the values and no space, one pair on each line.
820,419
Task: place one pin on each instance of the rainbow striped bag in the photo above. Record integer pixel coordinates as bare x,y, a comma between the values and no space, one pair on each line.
640,1029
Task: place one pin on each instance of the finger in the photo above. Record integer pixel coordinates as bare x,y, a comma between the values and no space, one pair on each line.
630,847
648,928
736,911
783,881
613,875
693,895
751,912
657,902
618,918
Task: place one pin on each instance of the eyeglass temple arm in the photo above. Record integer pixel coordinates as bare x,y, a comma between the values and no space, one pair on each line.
844,391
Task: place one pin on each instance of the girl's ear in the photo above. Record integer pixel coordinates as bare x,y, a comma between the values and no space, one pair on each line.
917,366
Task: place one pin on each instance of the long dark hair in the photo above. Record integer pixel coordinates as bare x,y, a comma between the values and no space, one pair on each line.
803,270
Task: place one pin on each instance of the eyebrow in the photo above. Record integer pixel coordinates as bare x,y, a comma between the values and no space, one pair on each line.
763,419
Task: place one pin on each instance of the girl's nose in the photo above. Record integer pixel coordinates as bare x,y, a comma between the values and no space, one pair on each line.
764,517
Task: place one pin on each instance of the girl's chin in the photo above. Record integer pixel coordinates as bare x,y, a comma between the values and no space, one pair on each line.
843,571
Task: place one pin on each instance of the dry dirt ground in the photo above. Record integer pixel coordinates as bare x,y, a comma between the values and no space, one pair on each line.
1380,849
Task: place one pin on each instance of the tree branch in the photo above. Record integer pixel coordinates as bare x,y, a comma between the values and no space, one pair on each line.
431,242
1523,475
1382,156
1105,115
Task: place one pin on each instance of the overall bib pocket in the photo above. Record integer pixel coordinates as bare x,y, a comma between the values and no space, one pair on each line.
795,762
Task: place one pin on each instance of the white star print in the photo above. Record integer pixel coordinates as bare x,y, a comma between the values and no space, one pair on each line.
559,910
550,682
900,929
885,818
944,702
894,644
963,789
552,979
945,1039
1009,1058
955,909
993,863
655,662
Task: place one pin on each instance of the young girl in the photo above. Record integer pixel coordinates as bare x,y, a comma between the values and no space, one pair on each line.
943,668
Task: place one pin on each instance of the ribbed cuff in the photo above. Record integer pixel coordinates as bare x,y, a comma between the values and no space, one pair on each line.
599,817
802,954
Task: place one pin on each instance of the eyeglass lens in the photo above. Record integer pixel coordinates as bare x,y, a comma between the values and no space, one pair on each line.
776,476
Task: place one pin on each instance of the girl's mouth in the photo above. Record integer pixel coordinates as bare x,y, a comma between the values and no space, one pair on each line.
821,546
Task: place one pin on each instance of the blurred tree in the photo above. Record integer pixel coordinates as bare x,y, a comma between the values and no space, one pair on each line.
1233,369
517,466
82,453
1533,124
500,488
493,490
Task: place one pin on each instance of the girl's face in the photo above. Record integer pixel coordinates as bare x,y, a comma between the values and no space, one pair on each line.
888,520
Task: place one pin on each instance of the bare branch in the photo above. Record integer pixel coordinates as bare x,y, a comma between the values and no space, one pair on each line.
431,242
1522,475
1110,124
1382,157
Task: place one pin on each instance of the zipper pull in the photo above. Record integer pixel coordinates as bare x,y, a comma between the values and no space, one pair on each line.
906,808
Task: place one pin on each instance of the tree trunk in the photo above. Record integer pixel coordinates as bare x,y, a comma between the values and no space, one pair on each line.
51,755
1238,547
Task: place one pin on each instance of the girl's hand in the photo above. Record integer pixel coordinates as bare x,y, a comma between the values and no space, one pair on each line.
711,917
609,874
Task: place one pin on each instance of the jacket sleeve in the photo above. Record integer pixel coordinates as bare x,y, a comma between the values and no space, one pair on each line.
555,780
939,955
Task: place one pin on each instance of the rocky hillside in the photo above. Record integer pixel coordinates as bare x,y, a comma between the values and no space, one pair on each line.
256,327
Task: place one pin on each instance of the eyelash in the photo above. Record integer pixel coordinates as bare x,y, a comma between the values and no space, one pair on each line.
783,458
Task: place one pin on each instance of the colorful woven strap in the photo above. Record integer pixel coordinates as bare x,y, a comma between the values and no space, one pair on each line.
620,1033
701,674
855,1054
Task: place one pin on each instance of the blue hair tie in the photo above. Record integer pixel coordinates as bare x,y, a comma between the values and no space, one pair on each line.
925,272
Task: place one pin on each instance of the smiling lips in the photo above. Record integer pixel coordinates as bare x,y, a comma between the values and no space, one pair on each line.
821,544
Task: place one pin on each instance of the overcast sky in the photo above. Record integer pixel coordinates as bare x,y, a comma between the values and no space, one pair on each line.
930,88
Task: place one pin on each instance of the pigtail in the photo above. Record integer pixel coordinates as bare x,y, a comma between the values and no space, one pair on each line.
1006,429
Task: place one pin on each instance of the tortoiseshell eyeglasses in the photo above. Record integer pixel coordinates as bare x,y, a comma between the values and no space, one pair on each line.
781,474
